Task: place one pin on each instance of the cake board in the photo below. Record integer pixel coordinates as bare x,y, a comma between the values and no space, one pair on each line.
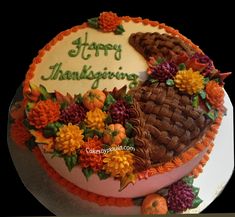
216,174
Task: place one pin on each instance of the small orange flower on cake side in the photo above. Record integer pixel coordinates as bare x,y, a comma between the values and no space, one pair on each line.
118,163
215,94
90,155
189,81
108,21
19,133
69,139
43,113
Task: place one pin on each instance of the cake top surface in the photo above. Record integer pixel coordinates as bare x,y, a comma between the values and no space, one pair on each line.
116,82
86,58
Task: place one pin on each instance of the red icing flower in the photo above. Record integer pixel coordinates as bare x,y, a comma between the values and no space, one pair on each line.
108,21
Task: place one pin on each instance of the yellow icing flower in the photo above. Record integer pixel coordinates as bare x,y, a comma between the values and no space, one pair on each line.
118,163
95,119
69,139
189,81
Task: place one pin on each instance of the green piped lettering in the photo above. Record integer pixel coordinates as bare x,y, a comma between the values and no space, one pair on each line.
85,47
87,73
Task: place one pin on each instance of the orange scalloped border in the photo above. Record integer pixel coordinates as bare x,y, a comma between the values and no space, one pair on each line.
183,158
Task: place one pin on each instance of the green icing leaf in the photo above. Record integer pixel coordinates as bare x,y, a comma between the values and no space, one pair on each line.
98,133
196,202
170,82
202,94
56,153
208,105
153,81
138,201
216,113
128,128
78,98
196,191
51,129
171,212
128,99
108,101
44,94
206,80
125,141
103,175
188,180
70,161
63,105
29,106
105,146
87,172
27,125
119,30
181,66
212,114
217,80
128,142
90,133
93,22
160,60
31,144
195,101
108,120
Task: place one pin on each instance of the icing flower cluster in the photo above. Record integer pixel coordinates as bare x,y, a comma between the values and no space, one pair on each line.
195,76
78,128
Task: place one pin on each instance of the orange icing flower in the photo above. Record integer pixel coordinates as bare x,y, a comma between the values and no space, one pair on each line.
215,94
90,155
108,21
19,133
118,163
69,139
189,81
43,113
95,119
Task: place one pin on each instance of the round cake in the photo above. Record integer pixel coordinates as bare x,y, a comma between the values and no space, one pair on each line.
122,112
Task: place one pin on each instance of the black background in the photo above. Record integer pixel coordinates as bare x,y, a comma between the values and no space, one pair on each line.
26,29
